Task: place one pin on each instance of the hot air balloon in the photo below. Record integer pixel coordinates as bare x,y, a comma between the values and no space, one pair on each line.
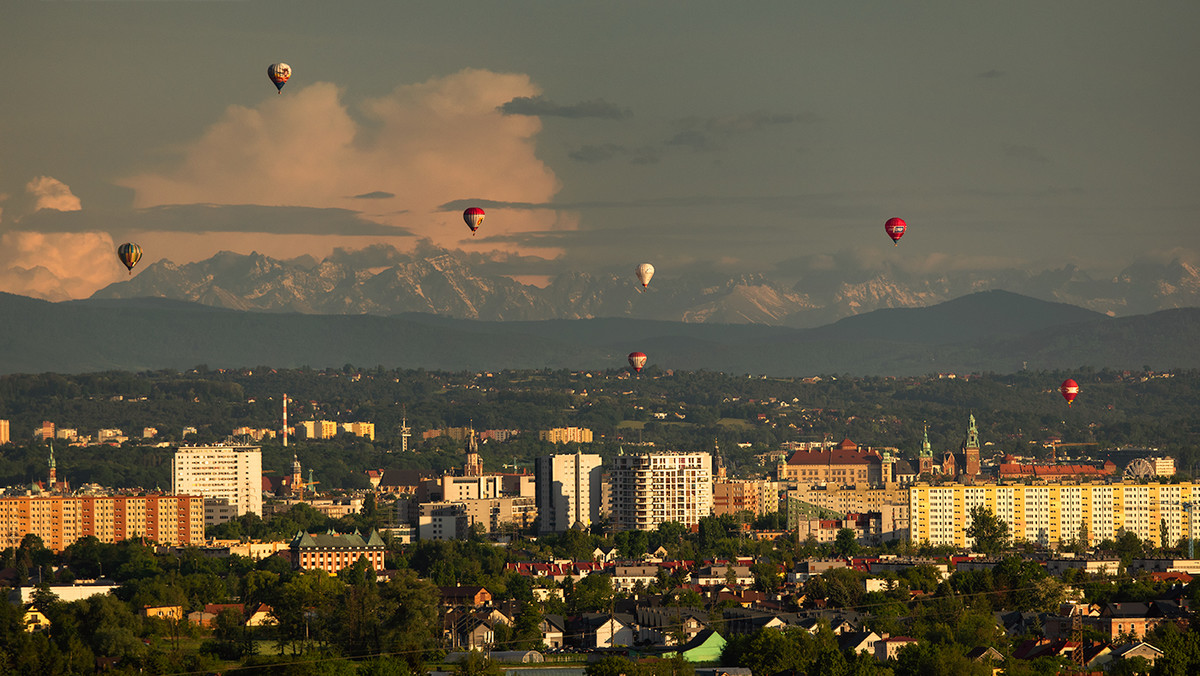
129,254
473,217
644,272
895,228
1069,390
637,360
279,74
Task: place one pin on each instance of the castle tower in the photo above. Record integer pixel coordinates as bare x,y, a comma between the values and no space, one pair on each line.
925,460
474,466
970,450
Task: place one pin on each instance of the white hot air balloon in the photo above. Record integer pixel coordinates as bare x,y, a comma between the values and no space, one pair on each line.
644,272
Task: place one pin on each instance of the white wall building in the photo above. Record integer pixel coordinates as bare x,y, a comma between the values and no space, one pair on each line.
223,471
652,488
568,490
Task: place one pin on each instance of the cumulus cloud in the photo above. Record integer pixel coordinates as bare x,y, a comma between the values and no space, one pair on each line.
51,193
57,266
418,147
538,106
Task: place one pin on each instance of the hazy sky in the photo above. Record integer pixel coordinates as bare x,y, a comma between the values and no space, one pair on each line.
746,136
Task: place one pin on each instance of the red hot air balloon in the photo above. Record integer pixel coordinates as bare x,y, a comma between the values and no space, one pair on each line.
1069,390
895,228
473,217
637,360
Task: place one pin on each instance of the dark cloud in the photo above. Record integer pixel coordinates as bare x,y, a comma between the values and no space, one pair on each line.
1026,153
743,122
596,153
691,138
538,106
204,218
376,195
836,204
990,74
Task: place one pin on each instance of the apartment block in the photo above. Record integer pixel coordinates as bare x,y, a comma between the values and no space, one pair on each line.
568,490
222,471
759,497
1054,514
566,435
5,432
653,488
60,520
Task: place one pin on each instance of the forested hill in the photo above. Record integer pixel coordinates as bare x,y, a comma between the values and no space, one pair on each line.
989,331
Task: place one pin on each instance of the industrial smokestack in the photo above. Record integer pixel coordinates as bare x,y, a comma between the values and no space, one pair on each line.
285,428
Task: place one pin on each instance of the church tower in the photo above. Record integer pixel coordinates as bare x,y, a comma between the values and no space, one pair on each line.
925,460
53,472
474,465
297,477
970,450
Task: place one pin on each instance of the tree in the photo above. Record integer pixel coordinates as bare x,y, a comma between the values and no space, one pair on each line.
989,531
846,543
477,664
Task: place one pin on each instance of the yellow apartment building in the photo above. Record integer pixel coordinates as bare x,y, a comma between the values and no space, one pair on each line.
1054,515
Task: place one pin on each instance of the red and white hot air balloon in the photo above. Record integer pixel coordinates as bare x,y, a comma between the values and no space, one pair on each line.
474,217
1069,389
895,228
637,360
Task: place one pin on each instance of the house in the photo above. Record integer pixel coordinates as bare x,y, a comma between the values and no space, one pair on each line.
602,630
473,596
603,556
704,647
626,578
261,616
35,621
466,631
889,648
553,628
1137,649
722,574
208,617
163,612
859,642
985,654
669,626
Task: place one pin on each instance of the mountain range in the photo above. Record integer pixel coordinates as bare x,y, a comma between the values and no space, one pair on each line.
994,331
383,281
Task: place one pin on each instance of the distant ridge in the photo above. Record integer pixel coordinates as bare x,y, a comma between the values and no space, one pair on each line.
383,281
989,331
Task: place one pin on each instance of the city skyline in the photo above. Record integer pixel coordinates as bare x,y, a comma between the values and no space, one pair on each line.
598,136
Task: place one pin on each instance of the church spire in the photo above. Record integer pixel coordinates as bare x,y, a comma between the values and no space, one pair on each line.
926,451
53,470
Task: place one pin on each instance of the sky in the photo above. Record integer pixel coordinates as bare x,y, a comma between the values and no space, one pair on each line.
738,137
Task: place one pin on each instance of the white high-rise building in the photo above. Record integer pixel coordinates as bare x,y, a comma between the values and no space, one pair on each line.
652,488
568,490
230,472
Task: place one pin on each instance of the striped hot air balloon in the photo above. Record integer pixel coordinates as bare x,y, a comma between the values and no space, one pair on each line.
130,254
637,360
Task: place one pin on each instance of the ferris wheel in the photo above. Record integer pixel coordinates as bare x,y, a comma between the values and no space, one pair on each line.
1141,468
